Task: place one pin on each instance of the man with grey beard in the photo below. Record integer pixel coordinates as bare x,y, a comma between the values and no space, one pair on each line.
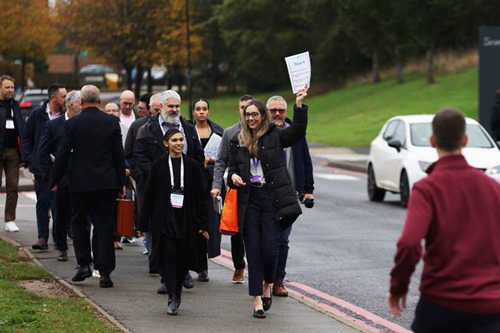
149,146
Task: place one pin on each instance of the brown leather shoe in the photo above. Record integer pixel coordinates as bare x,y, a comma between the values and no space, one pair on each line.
41,245
239,277
279,289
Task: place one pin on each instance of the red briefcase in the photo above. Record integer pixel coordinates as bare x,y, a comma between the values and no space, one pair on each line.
124,225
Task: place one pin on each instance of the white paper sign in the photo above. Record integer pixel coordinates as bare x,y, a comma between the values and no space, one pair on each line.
212,147
299,70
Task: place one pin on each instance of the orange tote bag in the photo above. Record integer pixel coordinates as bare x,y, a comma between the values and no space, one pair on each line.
229,216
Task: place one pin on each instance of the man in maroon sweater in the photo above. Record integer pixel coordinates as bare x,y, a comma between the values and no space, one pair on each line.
456,209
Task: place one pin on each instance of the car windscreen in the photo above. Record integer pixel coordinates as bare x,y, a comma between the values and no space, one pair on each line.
421,132
477,137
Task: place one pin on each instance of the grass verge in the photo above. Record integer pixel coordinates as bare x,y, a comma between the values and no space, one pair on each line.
25,311
353,116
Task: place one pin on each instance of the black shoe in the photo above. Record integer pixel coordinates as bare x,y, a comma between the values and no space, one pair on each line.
267,302
173,306
259,313
62,256
82,273
188,281
163,289
40,245
203,276
105,282
126,240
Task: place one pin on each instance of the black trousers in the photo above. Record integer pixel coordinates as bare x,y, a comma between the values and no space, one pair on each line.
238,251
100,207
63,204
45,201
173,264
434,318
261,233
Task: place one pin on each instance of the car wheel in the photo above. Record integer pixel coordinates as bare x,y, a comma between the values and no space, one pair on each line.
404,189
374,192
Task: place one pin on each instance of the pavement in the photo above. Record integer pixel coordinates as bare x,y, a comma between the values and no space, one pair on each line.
215,306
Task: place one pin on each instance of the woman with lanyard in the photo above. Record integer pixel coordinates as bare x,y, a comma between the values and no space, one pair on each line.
206,129
266,199
174,201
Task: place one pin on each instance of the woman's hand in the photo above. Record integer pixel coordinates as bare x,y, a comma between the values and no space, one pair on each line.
208,160
205,234
301,94
237,180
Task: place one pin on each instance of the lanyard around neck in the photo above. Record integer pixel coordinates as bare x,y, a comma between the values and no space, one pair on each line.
172,172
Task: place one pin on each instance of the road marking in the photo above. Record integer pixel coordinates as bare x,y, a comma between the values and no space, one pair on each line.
330,176
340,309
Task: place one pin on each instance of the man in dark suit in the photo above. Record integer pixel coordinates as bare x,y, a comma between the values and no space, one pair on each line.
153,105
33,130
97,177
51,140
149,143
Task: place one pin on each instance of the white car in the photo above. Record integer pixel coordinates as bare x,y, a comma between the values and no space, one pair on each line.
401,153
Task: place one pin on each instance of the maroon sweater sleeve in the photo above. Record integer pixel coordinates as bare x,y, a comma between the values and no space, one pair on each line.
409,246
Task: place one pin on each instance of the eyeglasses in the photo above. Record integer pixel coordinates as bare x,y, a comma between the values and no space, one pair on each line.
253,115
281,111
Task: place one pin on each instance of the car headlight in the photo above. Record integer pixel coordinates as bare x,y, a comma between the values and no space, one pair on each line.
493,170
424,165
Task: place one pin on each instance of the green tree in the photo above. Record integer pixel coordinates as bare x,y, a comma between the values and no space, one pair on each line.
23,24
132,33
259,34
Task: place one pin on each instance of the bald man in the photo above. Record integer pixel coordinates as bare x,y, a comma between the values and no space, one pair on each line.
127,101
96,178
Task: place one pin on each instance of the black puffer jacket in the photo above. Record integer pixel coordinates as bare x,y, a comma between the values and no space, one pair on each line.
274,166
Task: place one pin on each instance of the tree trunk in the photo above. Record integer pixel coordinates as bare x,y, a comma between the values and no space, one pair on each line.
128,71
150,81
138,81
399,68
429,57
376,66
23,72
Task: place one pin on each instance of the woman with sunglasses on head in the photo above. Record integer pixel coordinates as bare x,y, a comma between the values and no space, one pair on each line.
174,201
206,129
266,198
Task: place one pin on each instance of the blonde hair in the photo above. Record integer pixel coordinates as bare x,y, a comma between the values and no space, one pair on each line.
246,137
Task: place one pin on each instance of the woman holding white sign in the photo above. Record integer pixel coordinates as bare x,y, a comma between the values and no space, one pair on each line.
267,201
210,135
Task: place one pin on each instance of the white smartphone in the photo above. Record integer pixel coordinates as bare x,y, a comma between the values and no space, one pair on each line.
218,204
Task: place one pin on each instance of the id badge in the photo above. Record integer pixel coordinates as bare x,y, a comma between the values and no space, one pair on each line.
9,124
177,200
255,178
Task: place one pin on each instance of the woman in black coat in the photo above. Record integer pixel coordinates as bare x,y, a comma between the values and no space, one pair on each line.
174,201
206,129
267,201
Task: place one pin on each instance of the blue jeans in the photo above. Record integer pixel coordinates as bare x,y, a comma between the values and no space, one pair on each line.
282,254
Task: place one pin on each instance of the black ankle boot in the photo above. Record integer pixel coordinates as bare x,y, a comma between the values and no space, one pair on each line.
173,306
